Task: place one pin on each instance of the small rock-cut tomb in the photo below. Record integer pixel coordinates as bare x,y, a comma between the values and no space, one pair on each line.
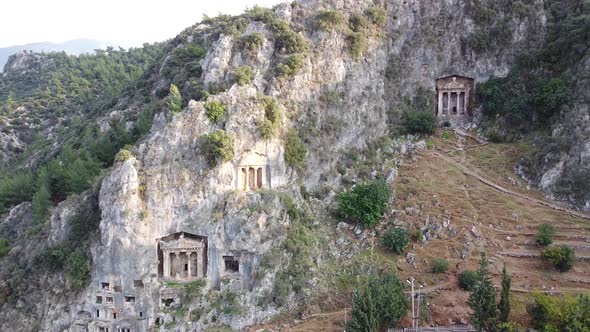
182,256
252,177
454,94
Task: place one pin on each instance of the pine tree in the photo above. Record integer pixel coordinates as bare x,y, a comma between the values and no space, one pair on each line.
504,305
174,99
378,305
482,300
41,204
363,317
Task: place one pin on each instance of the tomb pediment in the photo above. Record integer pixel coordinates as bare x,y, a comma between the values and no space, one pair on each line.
454,86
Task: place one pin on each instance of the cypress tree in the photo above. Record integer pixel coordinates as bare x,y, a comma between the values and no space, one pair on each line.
504,305
41,204
482,299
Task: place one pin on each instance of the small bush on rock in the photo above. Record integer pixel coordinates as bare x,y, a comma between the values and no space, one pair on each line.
253,42
329,20
440,265
396,240
295,150
377,16
4,248
467,279
358,45
123,155
266,129
291,66
366,202
217,147
545,234
215,111
244,75
562,257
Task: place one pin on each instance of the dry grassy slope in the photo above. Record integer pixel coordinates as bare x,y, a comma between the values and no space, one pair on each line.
435,187
486,218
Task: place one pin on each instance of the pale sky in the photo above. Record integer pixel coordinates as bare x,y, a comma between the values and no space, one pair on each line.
123,22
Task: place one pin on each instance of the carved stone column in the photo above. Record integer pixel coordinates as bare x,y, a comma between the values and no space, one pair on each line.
440,103
166,265
188,272
200,260
467,102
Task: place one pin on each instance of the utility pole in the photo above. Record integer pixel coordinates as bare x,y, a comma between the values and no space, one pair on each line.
411,283
418,312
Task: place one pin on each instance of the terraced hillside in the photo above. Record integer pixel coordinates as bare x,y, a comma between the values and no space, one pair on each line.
447,194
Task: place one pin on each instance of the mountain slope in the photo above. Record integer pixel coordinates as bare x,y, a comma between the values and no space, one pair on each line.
236,141
75,47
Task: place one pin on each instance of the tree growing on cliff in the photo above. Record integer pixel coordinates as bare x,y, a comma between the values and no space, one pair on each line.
217,147
174,99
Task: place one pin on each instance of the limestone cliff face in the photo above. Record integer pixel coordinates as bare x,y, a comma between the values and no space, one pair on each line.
563,171
336,103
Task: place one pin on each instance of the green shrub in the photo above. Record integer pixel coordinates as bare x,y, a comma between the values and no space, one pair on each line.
77,267
419,122
266,129
236,27
447,135
291,66
545,234
378,305
376,15
261,14
271,109
396,240
358,22
493,136
217,147
551,96
295,151
4,248
253,42
215,111
358,45
560,313
123,155
244,75
174,100
288,41
330,20
16,189
468,279
440,265
366,202
562,257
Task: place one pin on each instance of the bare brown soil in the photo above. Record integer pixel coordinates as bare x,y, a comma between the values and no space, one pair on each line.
473,187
